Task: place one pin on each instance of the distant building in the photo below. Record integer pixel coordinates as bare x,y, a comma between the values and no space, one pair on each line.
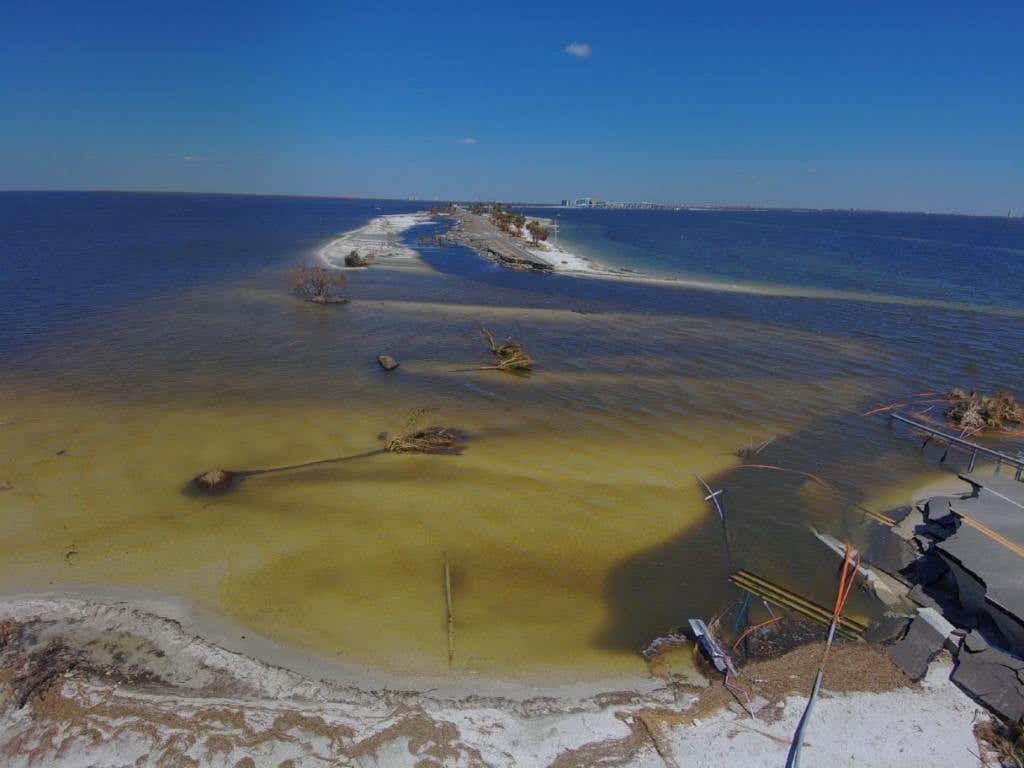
584,202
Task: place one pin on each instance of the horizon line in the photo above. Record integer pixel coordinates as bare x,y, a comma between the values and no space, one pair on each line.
522,203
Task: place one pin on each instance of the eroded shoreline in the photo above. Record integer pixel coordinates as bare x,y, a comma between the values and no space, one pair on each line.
108,681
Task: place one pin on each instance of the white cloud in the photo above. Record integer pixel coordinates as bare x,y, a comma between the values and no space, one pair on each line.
197,159
579,50
466,140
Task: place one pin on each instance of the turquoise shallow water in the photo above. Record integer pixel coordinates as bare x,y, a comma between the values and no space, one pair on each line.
146,338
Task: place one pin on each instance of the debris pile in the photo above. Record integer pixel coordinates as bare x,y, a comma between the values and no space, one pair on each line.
214,480
966,575
433,439
972,410
510,355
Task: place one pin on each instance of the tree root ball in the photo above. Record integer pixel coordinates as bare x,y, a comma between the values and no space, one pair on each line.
213,480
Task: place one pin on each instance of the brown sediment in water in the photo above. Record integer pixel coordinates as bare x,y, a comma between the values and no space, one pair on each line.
342,561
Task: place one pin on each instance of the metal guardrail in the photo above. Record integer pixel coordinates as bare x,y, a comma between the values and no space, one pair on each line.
975,449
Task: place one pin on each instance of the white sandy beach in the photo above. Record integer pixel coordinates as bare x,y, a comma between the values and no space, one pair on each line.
197,703
379,240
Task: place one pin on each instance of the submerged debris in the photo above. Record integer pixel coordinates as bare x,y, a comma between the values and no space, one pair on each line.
515,363
214,480
511,357
978,412
416,439
751,450
508,349
432,439
428,440
387,362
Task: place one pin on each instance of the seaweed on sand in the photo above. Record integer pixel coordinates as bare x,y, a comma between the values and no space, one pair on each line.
980,412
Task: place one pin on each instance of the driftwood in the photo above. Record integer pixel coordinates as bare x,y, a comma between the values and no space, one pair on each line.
449,607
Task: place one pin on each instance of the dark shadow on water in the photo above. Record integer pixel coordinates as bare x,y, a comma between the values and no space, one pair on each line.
770,515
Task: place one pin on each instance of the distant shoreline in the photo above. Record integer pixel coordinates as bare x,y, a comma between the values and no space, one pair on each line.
477,233
695,207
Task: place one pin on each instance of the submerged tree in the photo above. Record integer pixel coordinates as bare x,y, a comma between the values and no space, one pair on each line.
316,283
413,438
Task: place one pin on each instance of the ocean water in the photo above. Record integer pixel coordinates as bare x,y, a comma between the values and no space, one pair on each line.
146,338
957,259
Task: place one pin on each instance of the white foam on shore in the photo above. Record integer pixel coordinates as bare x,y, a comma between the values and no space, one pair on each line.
378,239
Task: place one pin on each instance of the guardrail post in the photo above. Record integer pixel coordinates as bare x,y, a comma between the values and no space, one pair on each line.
974,457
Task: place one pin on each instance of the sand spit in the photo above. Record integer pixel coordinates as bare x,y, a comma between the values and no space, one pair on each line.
478,233
106,682
379,240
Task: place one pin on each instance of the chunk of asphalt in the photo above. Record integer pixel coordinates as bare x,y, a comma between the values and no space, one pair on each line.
915,652
886,630
919,596
991,677
975,643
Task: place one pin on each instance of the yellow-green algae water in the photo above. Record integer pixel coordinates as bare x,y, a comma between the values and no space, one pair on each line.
568,472
573,522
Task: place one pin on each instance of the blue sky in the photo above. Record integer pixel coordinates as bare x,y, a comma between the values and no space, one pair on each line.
905,107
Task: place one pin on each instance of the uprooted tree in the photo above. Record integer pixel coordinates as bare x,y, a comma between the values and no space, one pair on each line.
972,410
316,283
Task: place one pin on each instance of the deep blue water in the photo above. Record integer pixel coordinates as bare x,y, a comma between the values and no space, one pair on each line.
942,258
67,257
